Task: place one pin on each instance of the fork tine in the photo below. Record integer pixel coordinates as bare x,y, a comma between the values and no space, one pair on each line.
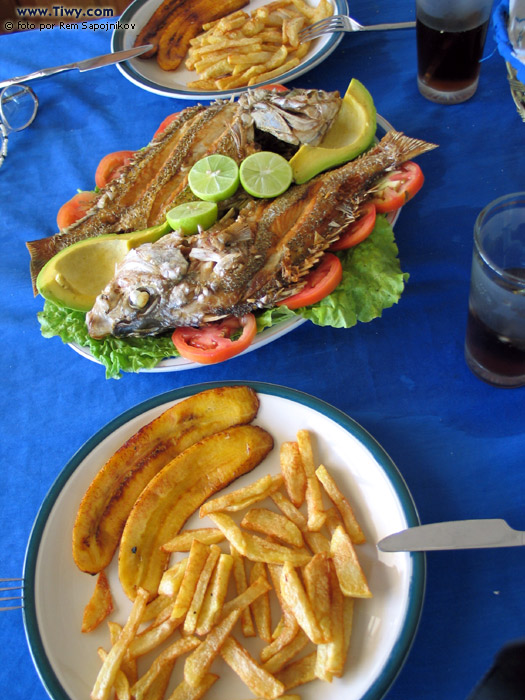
328,24
4,599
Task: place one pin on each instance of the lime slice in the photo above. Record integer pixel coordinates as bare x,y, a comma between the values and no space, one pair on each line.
214,178
192,216
265,174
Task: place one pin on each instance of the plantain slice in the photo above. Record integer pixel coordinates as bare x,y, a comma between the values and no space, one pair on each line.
176,492
179,21
110,497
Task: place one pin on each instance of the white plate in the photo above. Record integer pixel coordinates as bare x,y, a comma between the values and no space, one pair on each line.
146,72
55,591
175,364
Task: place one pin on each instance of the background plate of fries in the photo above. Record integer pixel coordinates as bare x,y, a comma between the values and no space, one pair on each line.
355,470
247,48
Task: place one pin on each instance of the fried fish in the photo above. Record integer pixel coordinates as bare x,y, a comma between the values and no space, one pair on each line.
252,262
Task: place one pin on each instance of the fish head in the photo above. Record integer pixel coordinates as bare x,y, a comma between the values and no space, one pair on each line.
135,302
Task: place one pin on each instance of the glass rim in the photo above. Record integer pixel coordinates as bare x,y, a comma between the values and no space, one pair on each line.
26,89
480,219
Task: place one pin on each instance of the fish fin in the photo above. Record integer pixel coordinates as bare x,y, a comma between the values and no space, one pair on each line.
41,251
404,147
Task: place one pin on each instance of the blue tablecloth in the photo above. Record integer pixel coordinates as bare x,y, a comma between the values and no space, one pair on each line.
458,442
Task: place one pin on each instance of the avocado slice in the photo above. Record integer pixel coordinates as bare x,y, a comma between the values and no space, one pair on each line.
76,275
351,133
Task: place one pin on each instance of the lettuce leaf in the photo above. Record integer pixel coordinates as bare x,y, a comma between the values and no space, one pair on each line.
372,281
116,354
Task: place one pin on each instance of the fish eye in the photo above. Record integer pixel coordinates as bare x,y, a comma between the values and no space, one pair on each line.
139,298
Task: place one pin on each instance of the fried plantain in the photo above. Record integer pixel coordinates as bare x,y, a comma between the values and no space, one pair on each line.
110,497
177,491
176,22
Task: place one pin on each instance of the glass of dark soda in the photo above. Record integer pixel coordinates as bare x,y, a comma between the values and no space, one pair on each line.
495,338
450,41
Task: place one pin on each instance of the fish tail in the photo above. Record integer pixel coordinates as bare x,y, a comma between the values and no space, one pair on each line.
404,147
41,251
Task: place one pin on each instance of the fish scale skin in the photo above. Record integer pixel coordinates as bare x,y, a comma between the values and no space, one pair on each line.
259,259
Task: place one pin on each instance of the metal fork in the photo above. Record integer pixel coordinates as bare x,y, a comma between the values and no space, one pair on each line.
343,23
10,588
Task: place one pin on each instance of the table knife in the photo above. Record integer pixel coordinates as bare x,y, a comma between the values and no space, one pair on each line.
455,534
89,64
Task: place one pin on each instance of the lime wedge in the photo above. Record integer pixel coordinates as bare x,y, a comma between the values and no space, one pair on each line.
265,174
214,178
192,216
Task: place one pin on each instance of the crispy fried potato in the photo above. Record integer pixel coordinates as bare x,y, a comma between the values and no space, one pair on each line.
177,492
274,525
351,577
275,28
287,652
111,664
196,562
291,512
156,606
100,604
190,623
247,597
121,683
261,609
316,576
156,689
341,503
298,672
215,595
110,497
258,680
331,656
165,658
244,497
128,665
199,661
182,542
241,584
292,591
314,499
184,691
259,549
171,580
317,542
293,472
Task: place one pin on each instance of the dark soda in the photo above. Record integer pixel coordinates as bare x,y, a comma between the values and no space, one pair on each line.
498,356
449,61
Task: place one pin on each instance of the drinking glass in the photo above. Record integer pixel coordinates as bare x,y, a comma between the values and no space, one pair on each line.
450,40
495,337
18,107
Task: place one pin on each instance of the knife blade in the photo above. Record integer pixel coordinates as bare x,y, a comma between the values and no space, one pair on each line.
88,64
454,534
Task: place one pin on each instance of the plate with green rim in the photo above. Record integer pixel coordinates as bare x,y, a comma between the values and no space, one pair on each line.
384,626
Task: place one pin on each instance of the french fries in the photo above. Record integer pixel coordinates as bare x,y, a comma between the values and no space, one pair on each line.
311,569
244,49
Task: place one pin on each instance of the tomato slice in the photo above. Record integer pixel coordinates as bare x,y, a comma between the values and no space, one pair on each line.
165,122
320,282
274,86
75,208
212,343
398,187
111,166
357,231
